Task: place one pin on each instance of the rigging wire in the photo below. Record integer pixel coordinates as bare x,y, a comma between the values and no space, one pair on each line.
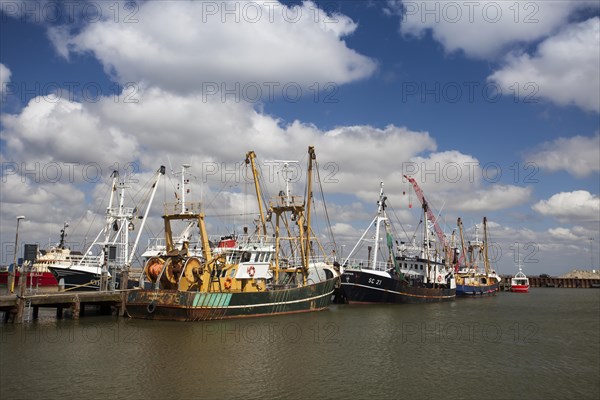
330,229
389,205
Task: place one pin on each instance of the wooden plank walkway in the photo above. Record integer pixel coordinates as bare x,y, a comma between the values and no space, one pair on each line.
14,306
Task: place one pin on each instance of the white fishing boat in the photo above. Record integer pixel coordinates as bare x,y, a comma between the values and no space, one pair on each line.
111,252
519,283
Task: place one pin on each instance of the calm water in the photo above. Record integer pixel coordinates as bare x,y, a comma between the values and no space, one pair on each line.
541,345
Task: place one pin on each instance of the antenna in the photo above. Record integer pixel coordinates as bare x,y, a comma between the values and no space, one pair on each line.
170,165
285,172
183,186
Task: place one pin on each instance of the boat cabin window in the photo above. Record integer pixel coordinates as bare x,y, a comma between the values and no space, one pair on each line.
246,256
232,273
421,267
235,257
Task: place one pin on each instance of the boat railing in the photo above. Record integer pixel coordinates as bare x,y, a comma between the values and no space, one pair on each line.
160,244
182,208
156,243
87,260
368,264
291,262
118,211
244,239
286,201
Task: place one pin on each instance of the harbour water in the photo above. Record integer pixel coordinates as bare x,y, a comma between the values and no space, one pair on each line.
540,345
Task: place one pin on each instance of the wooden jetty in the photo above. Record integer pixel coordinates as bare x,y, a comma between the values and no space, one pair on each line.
553,282
15,306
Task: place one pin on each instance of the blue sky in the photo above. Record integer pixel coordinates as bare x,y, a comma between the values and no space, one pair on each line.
377,87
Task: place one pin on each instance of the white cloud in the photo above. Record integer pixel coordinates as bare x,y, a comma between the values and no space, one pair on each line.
345,231
497,197
188,45
576,233
214,137
206,134
4,77
45,208
65,131
447,170
562,233
483,29
579,205
578,155
565,68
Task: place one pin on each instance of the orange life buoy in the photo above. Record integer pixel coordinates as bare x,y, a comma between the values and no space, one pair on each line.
251,271
228,283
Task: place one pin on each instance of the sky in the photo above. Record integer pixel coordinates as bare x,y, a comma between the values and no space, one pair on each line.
492,106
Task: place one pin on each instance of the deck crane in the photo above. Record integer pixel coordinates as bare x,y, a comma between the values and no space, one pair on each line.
430,216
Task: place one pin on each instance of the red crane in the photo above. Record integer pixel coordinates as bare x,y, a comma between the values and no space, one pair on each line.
430,216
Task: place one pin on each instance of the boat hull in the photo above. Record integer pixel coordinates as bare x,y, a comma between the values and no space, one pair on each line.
84,281
34,279
76,280
363,287
477,290
519,288
196,306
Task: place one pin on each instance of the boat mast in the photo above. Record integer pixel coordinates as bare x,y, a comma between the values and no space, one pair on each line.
63,234
184,189
475,251
123,226
486,260
426,244
311,157
380,218
161,171
181,208
462,257
250,156
109,220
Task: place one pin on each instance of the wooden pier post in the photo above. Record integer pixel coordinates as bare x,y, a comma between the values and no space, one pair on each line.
21,297
103,280
20,311
124,279
76,307
36,312
59,312
122,304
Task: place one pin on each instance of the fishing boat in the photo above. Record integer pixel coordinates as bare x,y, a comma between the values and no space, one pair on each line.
471,281
39,275
255,275
108,259
519,283
406,277
38,272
